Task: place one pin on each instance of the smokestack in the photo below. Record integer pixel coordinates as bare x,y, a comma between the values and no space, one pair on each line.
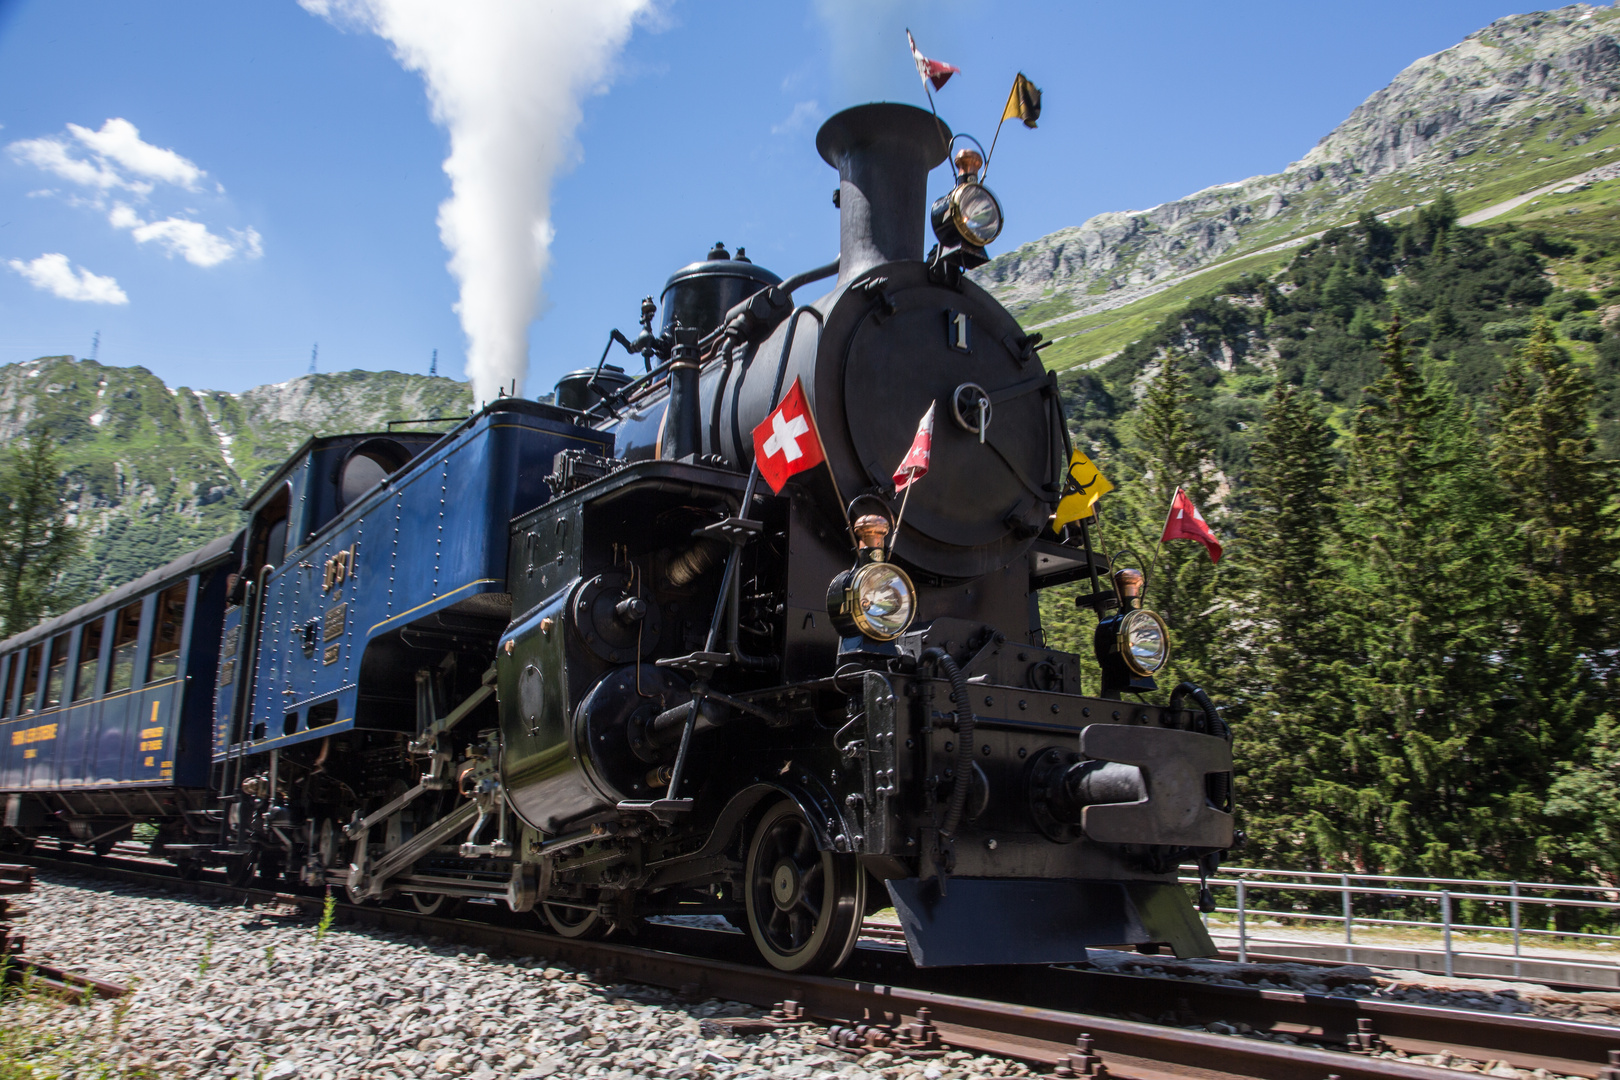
882,153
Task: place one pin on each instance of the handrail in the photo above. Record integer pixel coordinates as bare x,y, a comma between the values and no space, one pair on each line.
1513,895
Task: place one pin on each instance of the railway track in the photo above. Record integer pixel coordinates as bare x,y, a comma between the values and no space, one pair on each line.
1048,1016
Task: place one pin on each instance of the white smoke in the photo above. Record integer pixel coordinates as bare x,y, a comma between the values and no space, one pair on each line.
505,78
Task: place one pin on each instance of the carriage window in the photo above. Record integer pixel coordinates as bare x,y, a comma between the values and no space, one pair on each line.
11,683
30,678
126,632
89,661
171,615
56,677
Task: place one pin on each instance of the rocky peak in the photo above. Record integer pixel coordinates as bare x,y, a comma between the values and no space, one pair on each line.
1515,101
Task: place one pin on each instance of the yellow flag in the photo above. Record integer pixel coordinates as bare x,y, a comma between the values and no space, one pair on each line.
1024,103
1086,484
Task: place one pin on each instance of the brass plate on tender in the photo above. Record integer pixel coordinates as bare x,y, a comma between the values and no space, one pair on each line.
335,620
332,651
227,673
232,636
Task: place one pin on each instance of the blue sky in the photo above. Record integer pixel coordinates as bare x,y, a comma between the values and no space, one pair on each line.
297,200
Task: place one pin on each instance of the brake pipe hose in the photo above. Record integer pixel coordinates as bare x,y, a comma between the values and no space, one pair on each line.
964,739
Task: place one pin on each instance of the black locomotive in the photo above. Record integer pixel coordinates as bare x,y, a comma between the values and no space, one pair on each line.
575,656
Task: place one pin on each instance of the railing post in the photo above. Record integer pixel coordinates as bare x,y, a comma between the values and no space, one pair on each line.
1514,892
1349,937
1243,920
1445,929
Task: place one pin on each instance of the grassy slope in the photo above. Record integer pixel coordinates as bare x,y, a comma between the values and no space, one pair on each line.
1521,158
154,472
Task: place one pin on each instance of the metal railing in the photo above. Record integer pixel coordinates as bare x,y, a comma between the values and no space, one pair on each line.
1385,900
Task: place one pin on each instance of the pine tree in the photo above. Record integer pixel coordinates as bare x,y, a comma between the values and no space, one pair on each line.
1425,778
1563,627
1282,554
37,542
1544,452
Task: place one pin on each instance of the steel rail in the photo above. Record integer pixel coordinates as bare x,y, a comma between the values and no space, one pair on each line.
913,1015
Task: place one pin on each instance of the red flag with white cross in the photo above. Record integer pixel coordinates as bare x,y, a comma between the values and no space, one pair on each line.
786,441
1184,522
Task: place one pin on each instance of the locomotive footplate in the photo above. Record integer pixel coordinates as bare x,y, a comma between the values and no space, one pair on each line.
1041,921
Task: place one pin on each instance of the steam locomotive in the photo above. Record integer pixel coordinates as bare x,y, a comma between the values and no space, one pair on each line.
575,657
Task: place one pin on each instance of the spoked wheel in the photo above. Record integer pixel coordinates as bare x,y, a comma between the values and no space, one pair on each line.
574,922
435,904
804,905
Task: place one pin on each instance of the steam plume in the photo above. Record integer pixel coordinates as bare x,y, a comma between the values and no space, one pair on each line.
505,78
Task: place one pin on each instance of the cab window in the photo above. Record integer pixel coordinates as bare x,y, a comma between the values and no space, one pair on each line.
56,674
126,635
84,686
31,679
170,617
11,683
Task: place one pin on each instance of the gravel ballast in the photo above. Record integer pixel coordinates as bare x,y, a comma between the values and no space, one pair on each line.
226,991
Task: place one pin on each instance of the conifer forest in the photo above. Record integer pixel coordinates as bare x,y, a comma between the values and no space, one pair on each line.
1406,441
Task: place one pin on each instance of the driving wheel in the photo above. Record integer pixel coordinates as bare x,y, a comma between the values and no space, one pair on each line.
804,904
570,921
435,904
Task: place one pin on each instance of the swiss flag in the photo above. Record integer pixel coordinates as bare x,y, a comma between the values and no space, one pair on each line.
1186,523
915,465
937,72
786,442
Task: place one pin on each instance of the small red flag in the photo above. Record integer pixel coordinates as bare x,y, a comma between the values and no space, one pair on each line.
937,72
915,465
786,441
1186,523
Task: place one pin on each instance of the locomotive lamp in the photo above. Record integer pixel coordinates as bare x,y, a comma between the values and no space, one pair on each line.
968,218
1133,645
875,599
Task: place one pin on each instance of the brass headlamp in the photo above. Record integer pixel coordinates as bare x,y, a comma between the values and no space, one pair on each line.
968,218
875,598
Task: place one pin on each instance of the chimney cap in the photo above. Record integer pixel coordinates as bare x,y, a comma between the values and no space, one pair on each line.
882,122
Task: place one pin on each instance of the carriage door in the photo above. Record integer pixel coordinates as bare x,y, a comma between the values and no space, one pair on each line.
263,639
158,712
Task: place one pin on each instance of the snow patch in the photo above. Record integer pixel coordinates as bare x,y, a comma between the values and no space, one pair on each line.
97,417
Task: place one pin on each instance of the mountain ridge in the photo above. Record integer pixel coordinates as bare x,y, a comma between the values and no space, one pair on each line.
1466,118
152,471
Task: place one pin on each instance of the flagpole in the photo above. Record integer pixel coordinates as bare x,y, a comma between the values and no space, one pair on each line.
1154,565
986,174
937,121
911,482
843,507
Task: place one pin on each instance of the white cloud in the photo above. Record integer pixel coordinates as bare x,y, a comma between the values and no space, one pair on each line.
120,141
54,156
54,274
115,158
119,159
189,239
803,113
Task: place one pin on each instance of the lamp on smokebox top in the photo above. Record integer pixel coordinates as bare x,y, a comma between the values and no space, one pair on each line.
1133,644
875,599
968,217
